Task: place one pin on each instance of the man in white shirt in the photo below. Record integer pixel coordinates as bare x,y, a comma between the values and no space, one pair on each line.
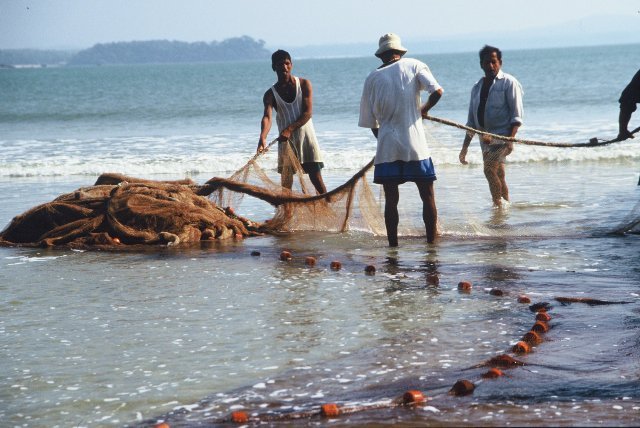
391,107
495,107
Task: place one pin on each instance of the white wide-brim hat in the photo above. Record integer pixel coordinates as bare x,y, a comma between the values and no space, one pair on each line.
389,42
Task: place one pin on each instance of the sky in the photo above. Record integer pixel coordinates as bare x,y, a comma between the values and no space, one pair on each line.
79,24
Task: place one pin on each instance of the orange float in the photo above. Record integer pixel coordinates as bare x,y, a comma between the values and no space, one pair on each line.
462,387
496,292
330,410
540,327
464,286
521,348
310,261
240,417
532,338
413,397
285,256
543,316
162,425
335,265
492,373
524,299
370,270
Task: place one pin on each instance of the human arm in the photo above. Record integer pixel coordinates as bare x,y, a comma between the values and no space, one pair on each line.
265,124
433,99
305,115
512,134
471,122
465,147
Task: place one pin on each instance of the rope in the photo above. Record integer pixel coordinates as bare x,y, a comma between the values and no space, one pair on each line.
592,143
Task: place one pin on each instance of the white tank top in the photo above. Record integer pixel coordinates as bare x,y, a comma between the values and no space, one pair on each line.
303,140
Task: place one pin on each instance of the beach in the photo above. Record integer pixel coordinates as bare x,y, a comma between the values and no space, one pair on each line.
188,335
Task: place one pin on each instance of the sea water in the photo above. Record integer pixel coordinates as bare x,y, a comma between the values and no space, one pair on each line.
188,335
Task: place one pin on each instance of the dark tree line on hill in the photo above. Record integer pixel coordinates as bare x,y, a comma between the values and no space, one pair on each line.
143,52
164,51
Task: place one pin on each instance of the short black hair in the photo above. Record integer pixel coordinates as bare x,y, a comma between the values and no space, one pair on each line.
280,55
488,50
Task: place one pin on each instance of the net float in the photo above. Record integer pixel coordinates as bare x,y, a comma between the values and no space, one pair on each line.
330,410
413,397
464,286
521,348
540,327
532,338
240,417
462,387
492,373
543,316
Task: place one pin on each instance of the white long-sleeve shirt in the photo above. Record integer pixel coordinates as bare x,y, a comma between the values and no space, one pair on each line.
503,107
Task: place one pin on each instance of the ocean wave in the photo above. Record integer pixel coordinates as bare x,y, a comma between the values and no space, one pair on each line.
221,155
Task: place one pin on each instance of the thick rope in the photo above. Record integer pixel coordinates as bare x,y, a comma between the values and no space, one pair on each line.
592,143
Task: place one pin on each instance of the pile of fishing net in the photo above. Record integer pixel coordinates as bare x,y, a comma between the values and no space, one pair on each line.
120,210
123,211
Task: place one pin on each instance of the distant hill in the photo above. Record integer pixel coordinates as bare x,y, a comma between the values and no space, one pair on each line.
165,51
140,52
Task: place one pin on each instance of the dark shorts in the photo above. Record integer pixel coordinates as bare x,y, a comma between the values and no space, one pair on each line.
307,167
399,172
310,167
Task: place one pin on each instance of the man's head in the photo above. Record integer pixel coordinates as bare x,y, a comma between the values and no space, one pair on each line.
280,60
390,43
490,60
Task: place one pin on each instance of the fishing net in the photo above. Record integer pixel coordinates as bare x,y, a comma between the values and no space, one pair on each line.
350,206
120,210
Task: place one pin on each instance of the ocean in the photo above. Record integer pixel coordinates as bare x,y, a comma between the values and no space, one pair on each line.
190,335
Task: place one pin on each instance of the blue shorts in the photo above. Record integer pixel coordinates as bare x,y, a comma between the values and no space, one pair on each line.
399,172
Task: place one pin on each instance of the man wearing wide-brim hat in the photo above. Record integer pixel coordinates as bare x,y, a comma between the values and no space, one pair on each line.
391,107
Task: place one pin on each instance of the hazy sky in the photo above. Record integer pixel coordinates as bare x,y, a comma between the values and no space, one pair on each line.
76,24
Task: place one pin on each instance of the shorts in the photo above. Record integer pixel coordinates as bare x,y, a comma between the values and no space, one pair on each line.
495,152
310,167
399,172
307,167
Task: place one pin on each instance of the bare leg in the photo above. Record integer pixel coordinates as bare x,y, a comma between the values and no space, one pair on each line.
318,183
500,172
495,185
391,219
429,210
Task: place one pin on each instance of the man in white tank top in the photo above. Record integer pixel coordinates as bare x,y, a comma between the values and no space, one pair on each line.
292,99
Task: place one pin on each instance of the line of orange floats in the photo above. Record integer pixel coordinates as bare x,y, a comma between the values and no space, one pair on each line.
311,261
412,397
